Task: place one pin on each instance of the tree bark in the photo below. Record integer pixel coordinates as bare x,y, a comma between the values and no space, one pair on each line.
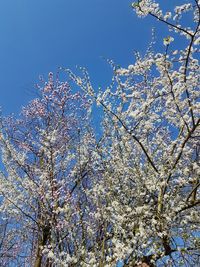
41,243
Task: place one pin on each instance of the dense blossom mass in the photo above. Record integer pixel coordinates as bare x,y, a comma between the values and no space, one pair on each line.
129,194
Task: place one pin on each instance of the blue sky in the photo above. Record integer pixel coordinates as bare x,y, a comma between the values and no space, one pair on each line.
38,36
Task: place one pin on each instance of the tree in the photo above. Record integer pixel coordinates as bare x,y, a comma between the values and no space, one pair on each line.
150,149
47,170
133,194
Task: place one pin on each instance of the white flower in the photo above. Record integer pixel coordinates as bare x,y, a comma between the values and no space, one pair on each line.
175,52
197,41
50,254
168,40
122,71
79,81
168,15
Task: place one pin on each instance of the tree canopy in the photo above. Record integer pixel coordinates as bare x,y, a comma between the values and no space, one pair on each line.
127,195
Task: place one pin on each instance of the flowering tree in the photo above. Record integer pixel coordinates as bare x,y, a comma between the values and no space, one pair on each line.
148,194
47,169
68,199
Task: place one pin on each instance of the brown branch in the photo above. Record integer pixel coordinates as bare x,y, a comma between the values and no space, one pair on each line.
23,212
191,205
132,135
193,191
184,143
170,24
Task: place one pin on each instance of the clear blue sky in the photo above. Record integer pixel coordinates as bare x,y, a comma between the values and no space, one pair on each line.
38,36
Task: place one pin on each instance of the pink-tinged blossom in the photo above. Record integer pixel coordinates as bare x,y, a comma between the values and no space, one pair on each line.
69,198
